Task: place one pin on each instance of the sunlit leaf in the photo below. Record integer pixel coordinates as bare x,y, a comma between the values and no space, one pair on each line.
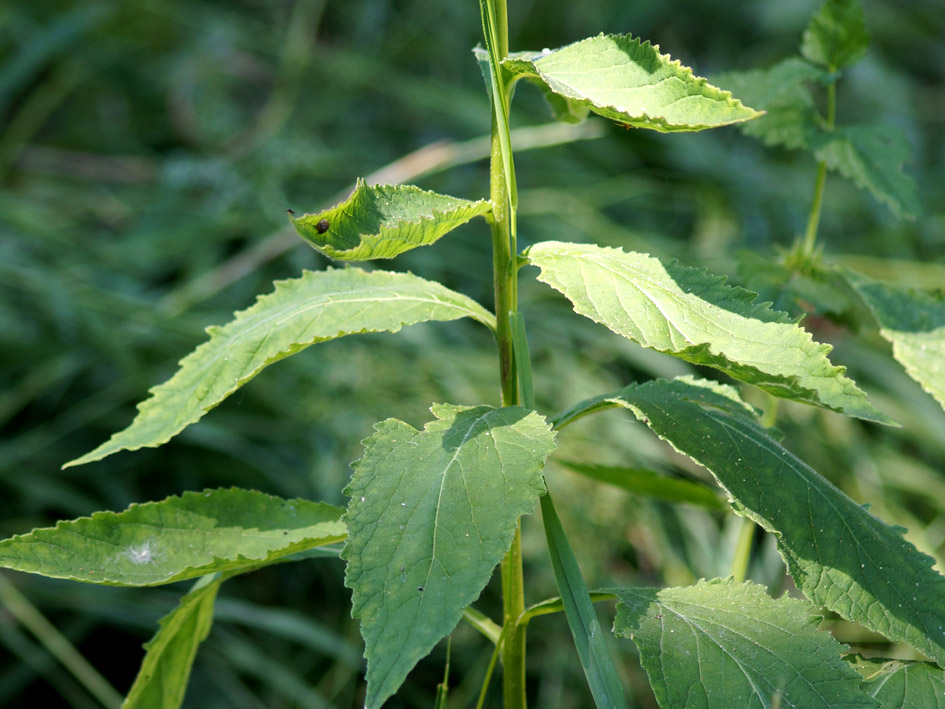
697,317
178,538
901,684
383,221
162,680
914,322
726,644
873,157
629,81
300,312
431,514
836,35
841,556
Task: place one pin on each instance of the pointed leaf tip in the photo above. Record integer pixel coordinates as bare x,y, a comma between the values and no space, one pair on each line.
431,514
317,307
383,221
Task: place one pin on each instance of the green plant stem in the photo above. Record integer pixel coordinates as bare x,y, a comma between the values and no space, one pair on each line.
57,644
743,550
813,221
503,194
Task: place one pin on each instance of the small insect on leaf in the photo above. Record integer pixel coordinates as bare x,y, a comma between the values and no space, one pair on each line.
290,211
322,226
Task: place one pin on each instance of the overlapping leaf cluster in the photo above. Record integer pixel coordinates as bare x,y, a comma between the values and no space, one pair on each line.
433,511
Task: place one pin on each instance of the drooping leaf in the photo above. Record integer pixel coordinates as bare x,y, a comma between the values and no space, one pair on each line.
300,312
596,661
162,680
647,482
726,644
697,317
383,221
629,81
431,514
873,157
914,322
790,115
840,555
836,35
175,539
902,684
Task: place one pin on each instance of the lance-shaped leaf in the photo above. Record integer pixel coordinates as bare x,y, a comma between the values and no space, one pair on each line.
431,514
178,538
649,483
726,644
629,81
914,322
840,555
873,157
697,317
300,312
162,680
898,684
836,35
383,221
790,114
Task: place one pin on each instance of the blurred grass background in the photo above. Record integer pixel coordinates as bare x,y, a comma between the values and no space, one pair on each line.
148,152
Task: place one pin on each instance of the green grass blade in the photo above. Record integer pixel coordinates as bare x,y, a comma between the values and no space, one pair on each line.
649,483
598,665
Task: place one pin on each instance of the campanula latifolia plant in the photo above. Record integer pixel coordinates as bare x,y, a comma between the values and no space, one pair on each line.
434,512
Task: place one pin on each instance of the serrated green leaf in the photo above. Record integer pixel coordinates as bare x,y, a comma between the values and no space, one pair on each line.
314,308
726,644
383,221
914,323
649,483
697,317
162,680
790,115
902,684
873,157
431,514
840,555
596,661
836,35
629,81
175,539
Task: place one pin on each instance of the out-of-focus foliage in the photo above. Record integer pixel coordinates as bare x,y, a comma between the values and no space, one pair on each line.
148,152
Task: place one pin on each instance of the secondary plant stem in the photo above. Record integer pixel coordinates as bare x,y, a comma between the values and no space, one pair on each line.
813,221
